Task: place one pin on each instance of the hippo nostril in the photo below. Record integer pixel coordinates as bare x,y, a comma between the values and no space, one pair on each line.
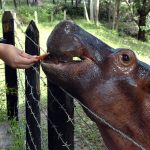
125,58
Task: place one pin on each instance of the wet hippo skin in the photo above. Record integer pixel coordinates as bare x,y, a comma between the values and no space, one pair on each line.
112,83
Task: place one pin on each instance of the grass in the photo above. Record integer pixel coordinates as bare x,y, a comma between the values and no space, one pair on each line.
18,134
110,37
86,131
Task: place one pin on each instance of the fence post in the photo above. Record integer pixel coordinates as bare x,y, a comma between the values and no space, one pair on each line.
59,120
10,73
65,16
32,82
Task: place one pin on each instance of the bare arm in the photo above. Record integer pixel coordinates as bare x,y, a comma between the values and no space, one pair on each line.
16,58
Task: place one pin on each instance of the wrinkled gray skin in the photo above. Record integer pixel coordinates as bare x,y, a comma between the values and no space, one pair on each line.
111,83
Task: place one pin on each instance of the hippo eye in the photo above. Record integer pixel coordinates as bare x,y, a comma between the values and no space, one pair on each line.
125,58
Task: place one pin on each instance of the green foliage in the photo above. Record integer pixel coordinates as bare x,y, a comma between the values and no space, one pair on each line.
44,12
74,11
86,131
3,111
18,135
128,28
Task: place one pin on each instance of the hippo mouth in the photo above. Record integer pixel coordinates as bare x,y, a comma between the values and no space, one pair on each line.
65,58
70,64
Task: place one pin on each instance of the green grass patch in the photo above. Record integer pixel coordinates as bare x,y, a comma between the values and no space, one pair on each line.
17,130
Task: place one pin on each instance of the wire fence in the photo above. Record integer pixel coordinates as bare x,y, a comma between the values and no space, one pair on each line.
86,135
83,125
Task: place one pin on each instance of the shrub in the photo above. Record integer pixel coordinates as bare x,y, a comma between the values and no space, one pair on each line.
74,11
26,13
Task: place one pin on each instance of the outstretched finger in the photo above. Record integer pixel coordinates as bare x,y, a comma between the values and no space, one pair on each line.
23,54
27,61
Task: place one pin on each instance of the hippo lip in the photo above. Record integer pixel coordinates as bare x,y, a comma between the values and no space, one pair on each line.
64,58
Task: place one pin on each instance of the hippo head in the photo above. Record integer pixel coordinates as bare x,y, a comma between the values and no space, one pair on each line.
111,83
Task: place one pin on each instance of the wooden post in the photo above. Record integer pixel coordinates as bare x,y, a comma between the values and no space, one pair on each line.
15,18
10,74
1,4
65,16
86,12
59,120
52,18
36,17
32,91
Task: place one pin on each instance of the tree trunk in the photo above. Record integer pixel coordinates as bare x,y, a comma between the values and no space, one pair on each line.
76,3
38,2
15,3
96,12
91,11
88,3
109,13
19,2
1,4
142,24
72,2
54,2
116,15
85,10
28,3
142,13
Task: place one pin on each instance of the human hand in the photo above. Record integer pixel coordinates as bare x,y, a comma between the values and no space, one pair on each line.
16,58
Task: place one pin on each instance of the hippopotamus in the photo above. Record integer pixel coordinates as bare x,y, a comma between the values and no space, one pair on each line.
112,85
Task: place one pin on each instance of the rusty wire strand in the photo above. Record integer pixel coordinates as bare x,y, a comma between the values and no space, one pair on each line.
31,93
107,123
59,134
55,99
29,37
90,111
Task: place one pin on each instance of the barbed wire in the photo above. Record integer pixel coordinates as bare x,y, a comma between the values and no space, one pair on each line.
107,123
30,108
31,93
28,105
20,122
62,107
28,36
53,125
32,140
104,121
69,119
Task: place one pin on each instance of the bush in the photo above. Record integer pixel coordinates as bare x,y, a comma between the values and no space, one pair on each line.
26,13
74,11
128,28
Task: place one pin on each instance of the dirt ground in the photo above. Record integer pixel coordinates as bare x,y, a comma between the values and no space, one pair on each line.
5,137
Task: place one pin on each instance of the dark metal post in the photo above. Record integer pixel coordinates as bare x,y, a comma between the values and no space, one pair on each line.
59,126
10,74
33,134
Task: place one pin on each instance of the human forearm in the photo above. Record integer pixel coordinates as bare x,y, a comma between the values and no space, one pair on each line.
16,58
